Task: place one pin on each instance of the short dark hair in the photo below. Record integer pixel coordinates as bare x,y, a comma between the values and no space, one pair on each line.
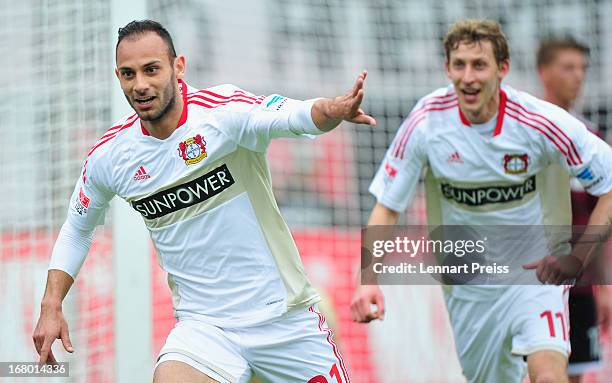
474,31
139,27
548,49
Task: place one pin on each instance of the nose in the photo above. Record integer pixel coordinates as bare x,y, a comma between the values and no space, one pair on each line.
140,84
468,75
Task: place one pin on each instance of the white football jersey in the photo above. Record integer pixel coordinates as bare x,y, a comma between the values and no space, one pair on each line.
205,194
500,178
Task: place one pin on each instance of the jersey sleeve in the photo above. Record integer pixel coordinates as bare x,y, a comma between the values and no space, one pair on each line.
582,154
88,204
254,125
396,180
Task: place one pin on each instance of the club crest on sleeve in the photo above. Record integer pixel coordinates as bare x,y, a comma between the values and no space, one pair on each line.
192,150
516,163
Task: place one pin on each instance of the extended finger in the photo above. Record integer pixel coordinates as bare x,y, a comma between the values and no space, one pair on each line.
532,265
45,350
364,119
65,336
358,83
355,102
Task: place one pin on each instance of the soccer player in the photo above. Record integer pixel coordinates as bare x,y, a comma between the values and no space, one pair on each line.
562,65
193,163
479,137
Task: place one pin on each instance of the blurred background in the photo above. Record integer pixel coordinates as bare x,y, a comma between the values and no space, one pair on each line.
57,65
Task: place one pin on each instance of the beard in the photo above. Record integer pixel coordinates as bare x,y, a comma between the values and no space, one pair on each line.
167,100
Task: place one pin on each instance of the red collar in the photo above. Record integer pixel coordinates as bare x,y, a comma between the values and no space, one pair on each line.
500,115
183,118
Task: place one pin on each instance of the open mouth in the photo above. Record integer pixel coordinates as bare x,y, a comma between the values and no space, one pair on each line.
144,102
470,95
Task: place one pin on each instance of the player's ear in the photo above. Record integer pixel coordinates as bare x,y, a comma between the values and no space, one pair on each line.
117,74
504,68
179,67
446,69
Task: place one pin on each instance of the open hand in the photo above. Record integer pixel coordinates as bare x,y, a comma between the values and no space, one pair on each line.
555,270
328,113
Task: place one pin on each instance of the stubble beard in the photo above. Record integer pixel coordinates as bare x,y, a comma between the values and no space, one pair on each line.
169,94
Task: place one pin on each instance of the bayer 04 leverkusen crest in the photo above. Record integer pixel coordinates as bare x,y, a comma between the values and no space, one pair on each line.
192,150
516,163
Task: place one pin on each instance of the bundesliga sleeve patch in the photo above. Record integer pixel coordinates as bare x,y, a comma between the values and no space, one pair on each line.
185,195
274,102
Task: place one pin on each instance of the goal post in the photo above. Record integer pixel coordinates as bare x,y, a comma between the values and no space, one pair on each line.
132,267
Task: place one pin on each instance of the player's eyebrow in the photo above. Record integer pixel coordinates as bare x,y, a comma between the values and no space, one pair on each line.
144,66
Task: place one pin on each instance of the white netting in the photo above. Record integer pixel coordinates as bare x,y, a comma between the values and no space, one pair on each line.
56,89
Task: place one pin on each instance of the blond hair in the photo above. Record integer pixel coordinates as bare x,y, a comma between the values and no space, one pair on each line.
474,31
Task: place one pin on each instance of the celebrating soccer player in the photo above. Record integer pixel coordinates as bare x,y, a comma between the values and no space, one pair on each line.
193,163
562,65
478,134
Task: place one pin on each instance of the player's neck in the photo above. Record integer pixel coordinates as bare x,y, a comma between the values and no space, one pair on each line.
554,99
165,126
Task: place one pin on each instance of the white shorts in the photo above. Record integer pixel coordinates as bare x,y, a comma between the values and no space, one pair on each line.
493,336
296,347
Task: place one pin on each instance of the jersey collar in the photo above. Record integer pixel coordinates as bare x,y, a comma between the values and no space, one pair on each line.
183,118
500,113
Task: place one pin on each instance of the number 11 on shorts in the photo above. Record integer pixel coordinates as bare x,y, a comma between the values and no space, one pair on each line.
334,373
551,324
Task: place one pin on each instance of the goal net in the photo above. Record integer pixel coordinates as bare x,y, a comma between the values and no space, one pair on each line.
57,83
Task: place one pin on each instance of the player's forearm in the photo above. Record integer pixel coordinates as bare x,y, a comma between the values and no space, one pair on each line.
382,215
321,111
598,229
58,285
602,214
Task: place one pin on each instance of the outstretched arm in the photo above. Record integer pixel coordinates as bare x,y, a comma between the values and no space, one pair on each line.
328,113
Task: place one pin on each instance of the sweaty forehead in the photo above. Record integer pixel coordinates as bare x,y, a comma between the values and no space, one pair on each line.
141,47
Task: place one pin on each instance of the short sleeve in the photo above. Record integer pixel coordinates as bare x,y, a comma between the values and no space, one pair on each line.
396,180
583,155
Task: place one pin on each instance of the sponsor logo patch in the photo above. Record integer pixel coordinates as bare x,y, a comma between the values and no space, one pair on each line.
192,150
185,195
516,163
489,195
